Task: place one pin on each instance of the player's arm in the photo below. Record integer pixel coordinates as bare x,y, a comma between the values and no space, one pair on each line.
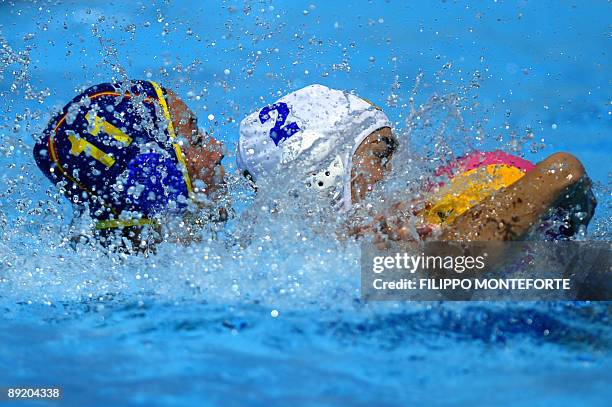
558,181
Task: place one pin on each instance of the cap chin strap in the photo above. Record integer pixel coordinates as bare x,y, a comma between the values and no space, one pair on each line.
118,223
177,147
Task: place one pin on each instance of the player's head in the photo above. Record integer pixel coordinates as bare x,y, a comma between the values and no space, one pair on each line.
203,153
129,152
332,141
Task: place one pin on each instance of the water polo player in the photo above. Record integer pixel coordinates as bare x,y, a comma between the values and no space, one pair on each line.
131,154
319,133
343,146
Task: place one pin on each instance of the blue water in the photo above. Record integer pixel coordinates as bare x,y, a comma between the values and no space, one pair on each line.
193,325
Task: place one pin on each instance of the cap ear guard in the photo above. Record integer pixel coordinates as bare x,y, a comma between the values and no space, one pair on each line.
327,178
153,181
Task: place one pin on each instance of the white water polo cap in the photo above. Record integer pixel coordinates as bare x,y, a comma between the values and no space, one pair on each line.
309,135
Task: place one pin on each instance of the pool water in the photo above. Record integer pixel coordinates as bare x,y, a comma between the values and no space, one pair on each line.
276,319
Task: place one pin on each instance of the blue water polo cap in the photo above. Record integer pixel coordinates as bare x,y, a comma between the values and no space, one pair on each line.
113,149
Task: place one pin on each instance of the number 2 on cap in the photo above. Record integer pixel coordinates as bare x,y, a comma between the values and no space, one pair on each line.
280,131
